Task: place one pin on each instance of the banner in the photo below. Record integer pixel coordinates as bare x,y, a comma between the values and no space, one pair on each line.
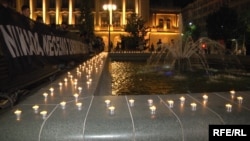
25,43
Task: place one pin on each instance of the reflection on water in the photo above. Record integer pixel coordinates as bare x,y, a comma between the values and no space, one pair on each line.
132,78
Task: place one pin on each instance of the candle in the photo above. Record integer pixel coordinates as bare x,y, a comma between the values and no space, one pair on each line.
232,92
45,95
79,105
63,104
76,96
88,83
150,102
229,107
240,99
44,114
51,90
80,89
205,97
182,99
65,80
112,110
60,84
107,102
131,102
193,106
35,107
18,114
152,109
171,103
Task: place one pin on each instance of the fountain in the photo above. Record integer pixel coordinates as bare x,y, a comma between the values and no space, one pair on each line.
180,69
184,58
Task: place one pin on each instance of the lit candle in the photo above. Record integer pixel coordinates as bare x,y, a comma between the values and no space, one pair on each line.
75,83
232,92
88,83
60,84
240,99
51,89
63,104
35,107
182,99
65,80
229,107
76,96
79,105
44,114
193,106
18,114
80,89
171,103
107,102
152,109
112,110
150,102
131,102
71,77
205,97
45,95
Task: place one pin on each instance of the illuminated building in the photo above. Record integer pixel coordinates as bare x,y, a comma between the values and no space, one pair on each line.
164,23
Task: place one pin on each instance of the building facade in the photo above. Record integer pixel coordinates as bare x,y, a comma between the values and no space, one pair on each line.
197,11
164,23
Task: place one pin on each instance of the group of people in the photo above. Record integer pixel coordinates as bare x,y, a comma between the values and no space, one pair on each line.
158,47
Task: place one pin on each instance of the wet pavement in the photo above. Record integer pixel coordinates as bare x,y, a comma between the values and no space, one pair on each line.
78,109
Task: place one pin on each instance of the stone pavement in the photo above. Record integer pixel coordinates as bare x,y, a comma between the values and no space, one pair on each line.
87,116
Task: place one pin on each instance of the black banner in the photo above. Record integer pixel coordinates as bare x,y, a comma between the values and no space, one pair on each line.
25,43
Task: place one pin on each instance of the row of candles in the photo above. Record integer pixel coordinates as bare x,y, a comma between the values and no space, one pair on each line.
171,104
131,103
86,66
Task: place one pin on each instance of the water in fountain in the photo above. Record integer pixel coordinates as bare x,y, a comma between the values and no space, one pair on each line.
193,56
178,69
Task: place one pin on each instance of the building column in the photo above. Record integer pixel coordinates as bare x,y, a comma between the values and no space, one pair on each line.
45,11
31,5
58,8
136,7
110,13
70,12
123,12
140,7
19,4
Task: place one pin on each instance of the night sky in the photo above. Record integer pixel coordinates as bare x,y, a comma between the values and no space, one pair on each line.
161,3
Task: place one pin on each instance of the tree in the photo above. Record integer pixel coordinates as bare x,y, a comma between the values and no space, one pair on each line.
222,25
191,30
244,29
86,27
136,29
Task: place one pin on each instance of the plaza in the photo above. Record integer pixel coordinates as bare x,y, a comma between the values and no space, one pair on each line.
93,114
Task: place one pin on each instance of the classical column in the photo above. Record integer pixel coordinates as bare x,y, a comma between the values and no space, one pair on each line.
31,9
45,11
140,7
70,12
110,13
123,12
58,5
136,7
19,4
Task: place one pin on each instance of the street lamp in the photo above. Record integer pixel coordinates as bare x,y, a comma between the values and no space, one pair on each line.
110,8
